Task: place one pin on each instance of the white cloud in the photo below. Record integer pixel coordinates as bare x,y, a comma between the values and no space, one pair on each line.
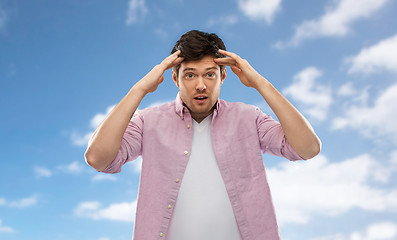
24,202
104,238
336,21
161,32
384,230
99,117
124,211
376,231
315,98
82,139
3,18
42,172
303,189
20,203
377,121
74,167
376,58
103,177
352,95
79,139
5,229
136,10
260,9
393,160
347,90
228,19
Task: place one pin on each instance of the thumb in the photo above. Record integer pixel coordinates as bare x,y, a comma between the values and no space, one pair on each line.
236,70
161,79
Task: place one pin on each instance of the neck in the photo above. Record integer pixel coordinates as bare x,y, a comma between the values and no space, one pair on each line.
201,116
198,117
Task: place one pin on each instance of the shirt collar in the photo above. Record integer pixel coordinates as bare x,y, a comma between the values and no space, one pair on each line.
181,109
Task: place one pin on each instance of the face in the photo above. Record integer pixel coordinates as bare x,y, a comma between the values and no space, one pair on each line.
199,84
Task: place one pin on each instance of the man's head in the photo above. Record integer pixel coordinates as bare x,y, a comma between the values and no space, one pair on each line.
194,45
198,77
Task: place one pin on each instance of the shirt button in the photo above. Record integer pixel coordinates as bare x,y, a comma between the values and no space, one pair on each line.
177,180
169,206
185,109
188,126
185,152
161,234
181,115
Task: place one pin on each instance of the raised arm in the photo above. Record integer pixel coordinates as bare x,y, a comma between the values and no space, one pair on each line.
297,129
106,140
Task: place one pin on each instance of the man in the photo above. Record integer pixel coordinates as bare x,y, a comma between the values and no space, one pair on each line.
202,175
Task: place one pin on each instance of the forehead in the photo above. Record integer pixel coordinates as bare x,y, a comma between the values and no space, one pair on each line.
202,64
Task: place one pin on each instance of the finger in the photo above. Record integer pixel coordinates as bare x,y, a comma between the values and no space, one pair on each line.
161,79
176,53
236,70
172,60
239,62
174,63
229,54
178,61
172,57
225,61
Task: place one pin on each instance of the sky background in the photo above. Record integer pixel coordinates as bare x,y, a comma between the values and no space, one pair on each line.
65,64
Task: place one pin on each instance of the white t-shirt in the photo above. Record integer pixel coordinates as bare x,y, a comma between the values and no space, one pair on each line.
203,209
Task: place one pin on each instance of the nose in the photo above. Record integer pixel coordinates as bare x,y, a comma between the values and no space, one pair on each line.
200,86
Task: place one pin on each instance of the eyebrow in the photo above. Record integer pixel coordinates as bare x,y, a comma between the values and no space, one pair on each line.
193,69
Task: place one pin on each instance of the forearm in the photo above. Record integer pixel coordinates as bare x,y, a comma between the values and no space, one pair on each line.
106,140
297,129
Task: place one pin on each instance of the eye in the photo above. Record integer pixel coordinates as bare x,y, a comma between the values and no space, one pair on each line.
189,76
211,75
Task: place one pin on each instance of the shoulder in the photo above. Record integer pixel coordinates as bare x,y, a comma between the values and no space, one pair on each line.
238,108
156,115
157,109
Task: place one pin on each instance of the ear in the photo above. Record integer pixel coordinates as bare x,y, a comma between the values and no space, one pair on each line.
223,76
175,78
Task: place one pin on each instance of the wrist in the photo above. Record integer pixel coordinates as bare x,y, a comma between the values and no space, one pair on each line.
262,84
159,68
139,89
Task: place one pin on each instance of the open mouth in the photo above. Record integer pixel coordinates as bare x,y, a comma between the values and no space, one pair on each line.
201,98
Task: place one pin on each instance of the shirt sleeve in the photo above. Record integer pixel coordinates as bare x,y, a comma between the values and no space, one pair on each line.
131,145
272,137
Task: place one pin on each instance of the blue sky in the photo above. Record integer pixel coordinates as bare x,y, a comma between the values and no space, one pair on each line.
65,64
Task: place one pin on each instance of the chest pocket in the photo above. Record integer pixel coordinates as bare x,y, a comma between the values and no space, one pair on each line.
247,157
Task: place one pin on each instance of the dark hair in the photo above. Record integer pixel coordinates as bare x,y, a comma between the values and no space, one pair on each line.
194,45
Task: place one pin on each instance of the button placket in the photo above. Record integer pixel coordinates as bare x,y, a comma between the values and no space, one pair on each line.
187,126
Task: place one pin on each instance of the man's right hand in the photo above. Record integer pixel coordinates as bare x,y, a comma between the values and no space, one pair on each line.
151,81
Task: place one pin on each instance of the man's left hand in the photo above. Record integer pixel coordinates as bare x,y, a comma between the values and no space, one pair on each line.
247,74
